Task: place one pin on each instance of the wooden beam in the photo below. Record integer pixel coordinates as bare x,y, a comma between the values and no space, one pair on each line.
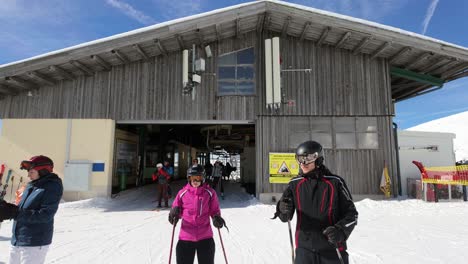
41,78
403,86
63,73
122,58
343,39
238,28
141,52
218,32
457,69
160,46
362,44
457,76
7,90
104,64
399,54
381,49
85,69
284,32
260,19
420,58
323,36
200,38
445,66
434,63
180,41
20,83
266,22
304,30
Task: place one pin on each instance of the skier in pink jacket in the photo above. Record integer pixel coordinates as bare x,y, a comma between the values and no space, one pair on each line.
195,204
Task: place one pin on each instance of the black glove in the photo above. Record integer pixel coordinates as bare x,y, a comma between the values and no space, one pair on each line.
7,210
174,215
334,235
286,209
218,221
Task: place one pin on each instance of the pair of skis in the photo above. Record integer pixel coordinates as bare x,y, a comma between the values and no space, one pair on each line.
5,186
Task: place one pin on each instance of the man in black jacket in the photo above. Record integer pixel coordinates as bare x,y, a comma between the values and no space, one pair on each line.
326,214
34,215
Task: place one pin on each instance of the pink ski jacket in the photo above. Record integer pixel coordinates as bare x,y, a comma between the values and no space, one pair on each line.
197,206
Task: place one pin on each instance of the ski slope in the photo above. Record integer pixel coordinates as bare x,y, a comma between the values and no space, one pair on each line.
126,230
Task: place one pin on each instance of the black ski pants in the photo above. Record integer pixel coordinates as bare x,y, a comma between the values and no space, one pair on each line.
205,249
305,256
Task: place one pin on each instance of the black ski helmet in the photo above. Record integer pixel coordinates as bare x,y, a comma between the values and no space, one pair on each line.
196,170
308,152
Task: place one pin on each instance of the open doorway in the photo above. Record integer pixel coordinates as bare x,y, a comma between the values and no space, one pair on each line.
140,147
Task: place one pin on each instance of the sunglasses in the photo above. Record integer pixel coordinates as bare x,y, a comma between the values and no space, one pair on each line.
196,178
307,158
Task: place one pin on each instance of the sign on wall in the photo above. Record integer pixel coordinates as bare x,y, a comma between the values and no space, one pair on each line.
283,167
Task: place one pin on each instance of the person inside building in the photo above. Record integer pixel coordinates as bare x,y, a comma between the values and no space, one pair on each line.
195,204
161,177
170,170
217,173
326,214
33,225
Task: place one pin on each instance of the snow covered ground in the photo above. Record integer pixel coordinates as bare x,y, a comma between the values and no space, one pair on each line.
126,230
453,124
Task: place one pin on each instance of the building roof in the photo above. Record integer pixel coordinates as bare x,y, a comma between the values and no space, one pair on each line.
419,64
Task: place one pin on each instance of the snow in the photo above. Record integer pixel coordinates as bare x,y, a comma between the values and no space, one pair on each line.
126,230
453,124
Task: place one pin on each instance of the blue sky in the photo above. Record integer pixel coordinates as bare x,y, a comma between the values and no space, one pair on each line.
33,27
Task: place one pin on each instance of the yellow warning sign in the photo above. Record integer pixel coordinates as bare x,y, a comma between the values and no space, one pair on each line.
283,167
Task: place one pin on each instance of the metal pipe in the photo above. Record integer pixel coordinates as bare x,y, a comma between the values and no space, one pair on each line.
397,150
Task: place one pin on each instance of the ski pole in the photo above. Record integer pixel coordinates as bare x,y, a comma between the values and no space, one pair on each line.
11,188
222,245
172,242
339,255
291,241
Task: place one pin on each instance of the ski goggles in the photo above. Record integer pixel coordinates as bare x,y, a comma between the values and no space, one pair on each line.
196,178
307,158
26,165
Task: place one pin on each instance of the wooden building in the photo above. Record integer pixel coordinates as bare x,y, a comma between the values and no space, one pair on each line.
340,79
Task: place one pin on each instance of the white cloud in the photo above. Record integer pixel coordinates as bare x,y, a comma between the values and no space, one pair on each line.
430,12
132,12
178,8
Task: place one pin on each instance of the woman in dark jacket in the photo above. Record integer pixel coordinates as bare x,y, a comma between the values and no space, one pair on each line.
326,214
34,216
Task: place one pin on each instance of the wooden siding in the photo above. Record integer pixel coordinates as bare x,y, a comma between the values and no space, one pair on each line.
361,169
340,84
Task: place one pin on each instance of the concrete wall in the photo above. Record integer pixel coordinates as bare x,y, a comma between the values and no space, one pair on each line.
415,145
91,139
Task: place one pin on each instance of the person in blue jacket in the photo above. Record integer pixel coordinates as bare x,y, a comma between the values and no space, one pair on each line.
33,225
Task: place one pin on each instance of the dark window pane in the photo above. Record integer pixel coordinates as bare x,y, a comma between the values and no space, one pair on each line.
227,73
228,59
226,88
244,88
245,56
245,73
344,124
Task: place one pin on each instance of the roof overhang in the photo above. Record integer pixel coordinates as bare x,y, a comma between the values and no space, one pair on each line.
410,53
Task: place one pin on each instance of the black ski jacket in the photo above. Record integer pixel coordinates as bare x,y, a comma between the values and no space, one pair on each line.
320,201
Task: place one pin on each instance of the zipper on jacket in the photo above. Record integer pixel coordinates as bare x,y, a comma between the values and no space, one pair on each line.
200,206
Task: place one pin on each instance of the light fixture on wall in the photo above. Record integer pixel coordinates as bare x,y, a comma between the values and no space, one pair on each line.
30,94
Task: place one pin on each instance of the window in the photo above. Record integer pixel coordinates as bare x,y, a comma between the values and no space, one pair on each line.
356,133
236,73
337,132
